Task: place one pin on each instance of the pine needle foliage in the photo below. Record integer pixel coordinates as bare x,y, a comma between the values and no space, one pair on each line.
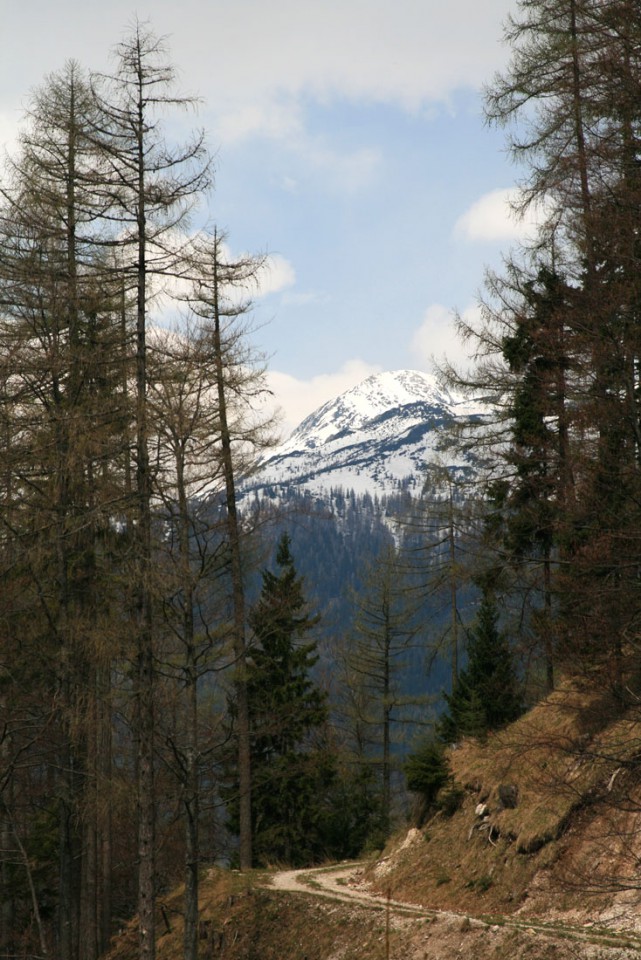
487,695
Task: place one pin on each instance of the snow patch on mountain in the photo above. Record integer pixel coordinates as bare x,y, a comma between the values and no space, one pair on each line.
373,438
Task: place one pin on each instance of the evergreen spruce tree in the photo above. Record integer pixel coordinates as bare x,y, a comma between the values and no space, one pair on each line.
292,772
487,695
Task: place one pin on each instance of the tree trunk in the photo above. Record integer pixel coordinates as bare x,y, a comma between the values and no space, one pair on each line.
238,597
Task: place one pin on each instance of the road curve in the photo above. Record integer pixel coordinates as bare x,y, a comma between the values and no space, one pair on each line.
337,883
340,882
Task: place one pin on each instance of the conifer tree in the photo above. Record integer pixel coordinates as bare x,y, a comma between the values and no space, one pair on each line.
487,695
541,488
218,300
60,372
559,339
291,771
152,188
184,422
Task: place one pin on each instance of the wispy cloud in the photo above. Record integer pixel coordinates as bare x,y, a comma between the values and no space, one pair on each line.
260,58
361,50
261,116
346,172
304,298
276,274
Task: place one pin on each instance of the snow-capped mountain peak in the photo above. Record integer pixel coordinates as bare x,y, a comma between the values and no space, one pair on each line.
357,407
370,438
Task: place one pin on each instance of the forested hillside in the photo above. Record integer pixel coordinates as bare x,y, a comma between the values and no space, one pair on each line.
136,743
168,694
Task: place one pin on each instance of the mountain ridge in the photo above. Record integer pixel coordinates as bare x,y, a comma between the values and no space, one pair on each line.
375,437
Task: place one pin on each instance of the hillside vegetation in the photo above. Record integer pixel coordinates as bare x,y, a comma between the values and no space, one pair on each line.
534,849
541,819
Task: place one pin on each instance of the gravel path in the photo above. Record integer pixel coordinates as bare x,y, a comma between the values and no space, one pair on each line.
340,882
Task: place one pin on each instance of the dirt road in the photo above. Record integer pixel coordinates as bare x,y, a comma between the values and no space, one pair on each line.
342,882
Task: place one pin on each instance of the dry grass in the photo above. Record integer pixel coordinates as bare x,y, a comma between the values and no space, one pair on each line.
242,920
574,834
565,758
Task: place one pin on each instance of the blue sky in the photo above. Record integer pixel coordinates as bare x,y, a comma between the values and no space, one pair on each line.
349,144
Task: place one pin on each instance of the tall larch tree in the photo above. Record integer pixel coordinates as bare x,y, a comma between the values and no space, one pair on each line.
186,462
220,300
385,630
153,188
58,367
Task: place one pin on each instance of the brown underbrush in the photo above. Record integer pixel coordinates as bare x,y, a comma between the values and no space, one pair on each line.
547,819
536,852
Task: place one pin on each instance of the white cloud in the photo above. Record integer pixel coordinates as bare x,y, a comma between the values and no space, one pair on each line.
436,338
276,274
258,116
492,218
289,184
298,398
345,172
257,61
272,56
409,52
304,298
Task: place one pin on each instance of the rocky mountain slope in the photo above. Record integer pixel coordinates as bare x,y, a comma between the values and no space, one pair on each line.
373,438
539,823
